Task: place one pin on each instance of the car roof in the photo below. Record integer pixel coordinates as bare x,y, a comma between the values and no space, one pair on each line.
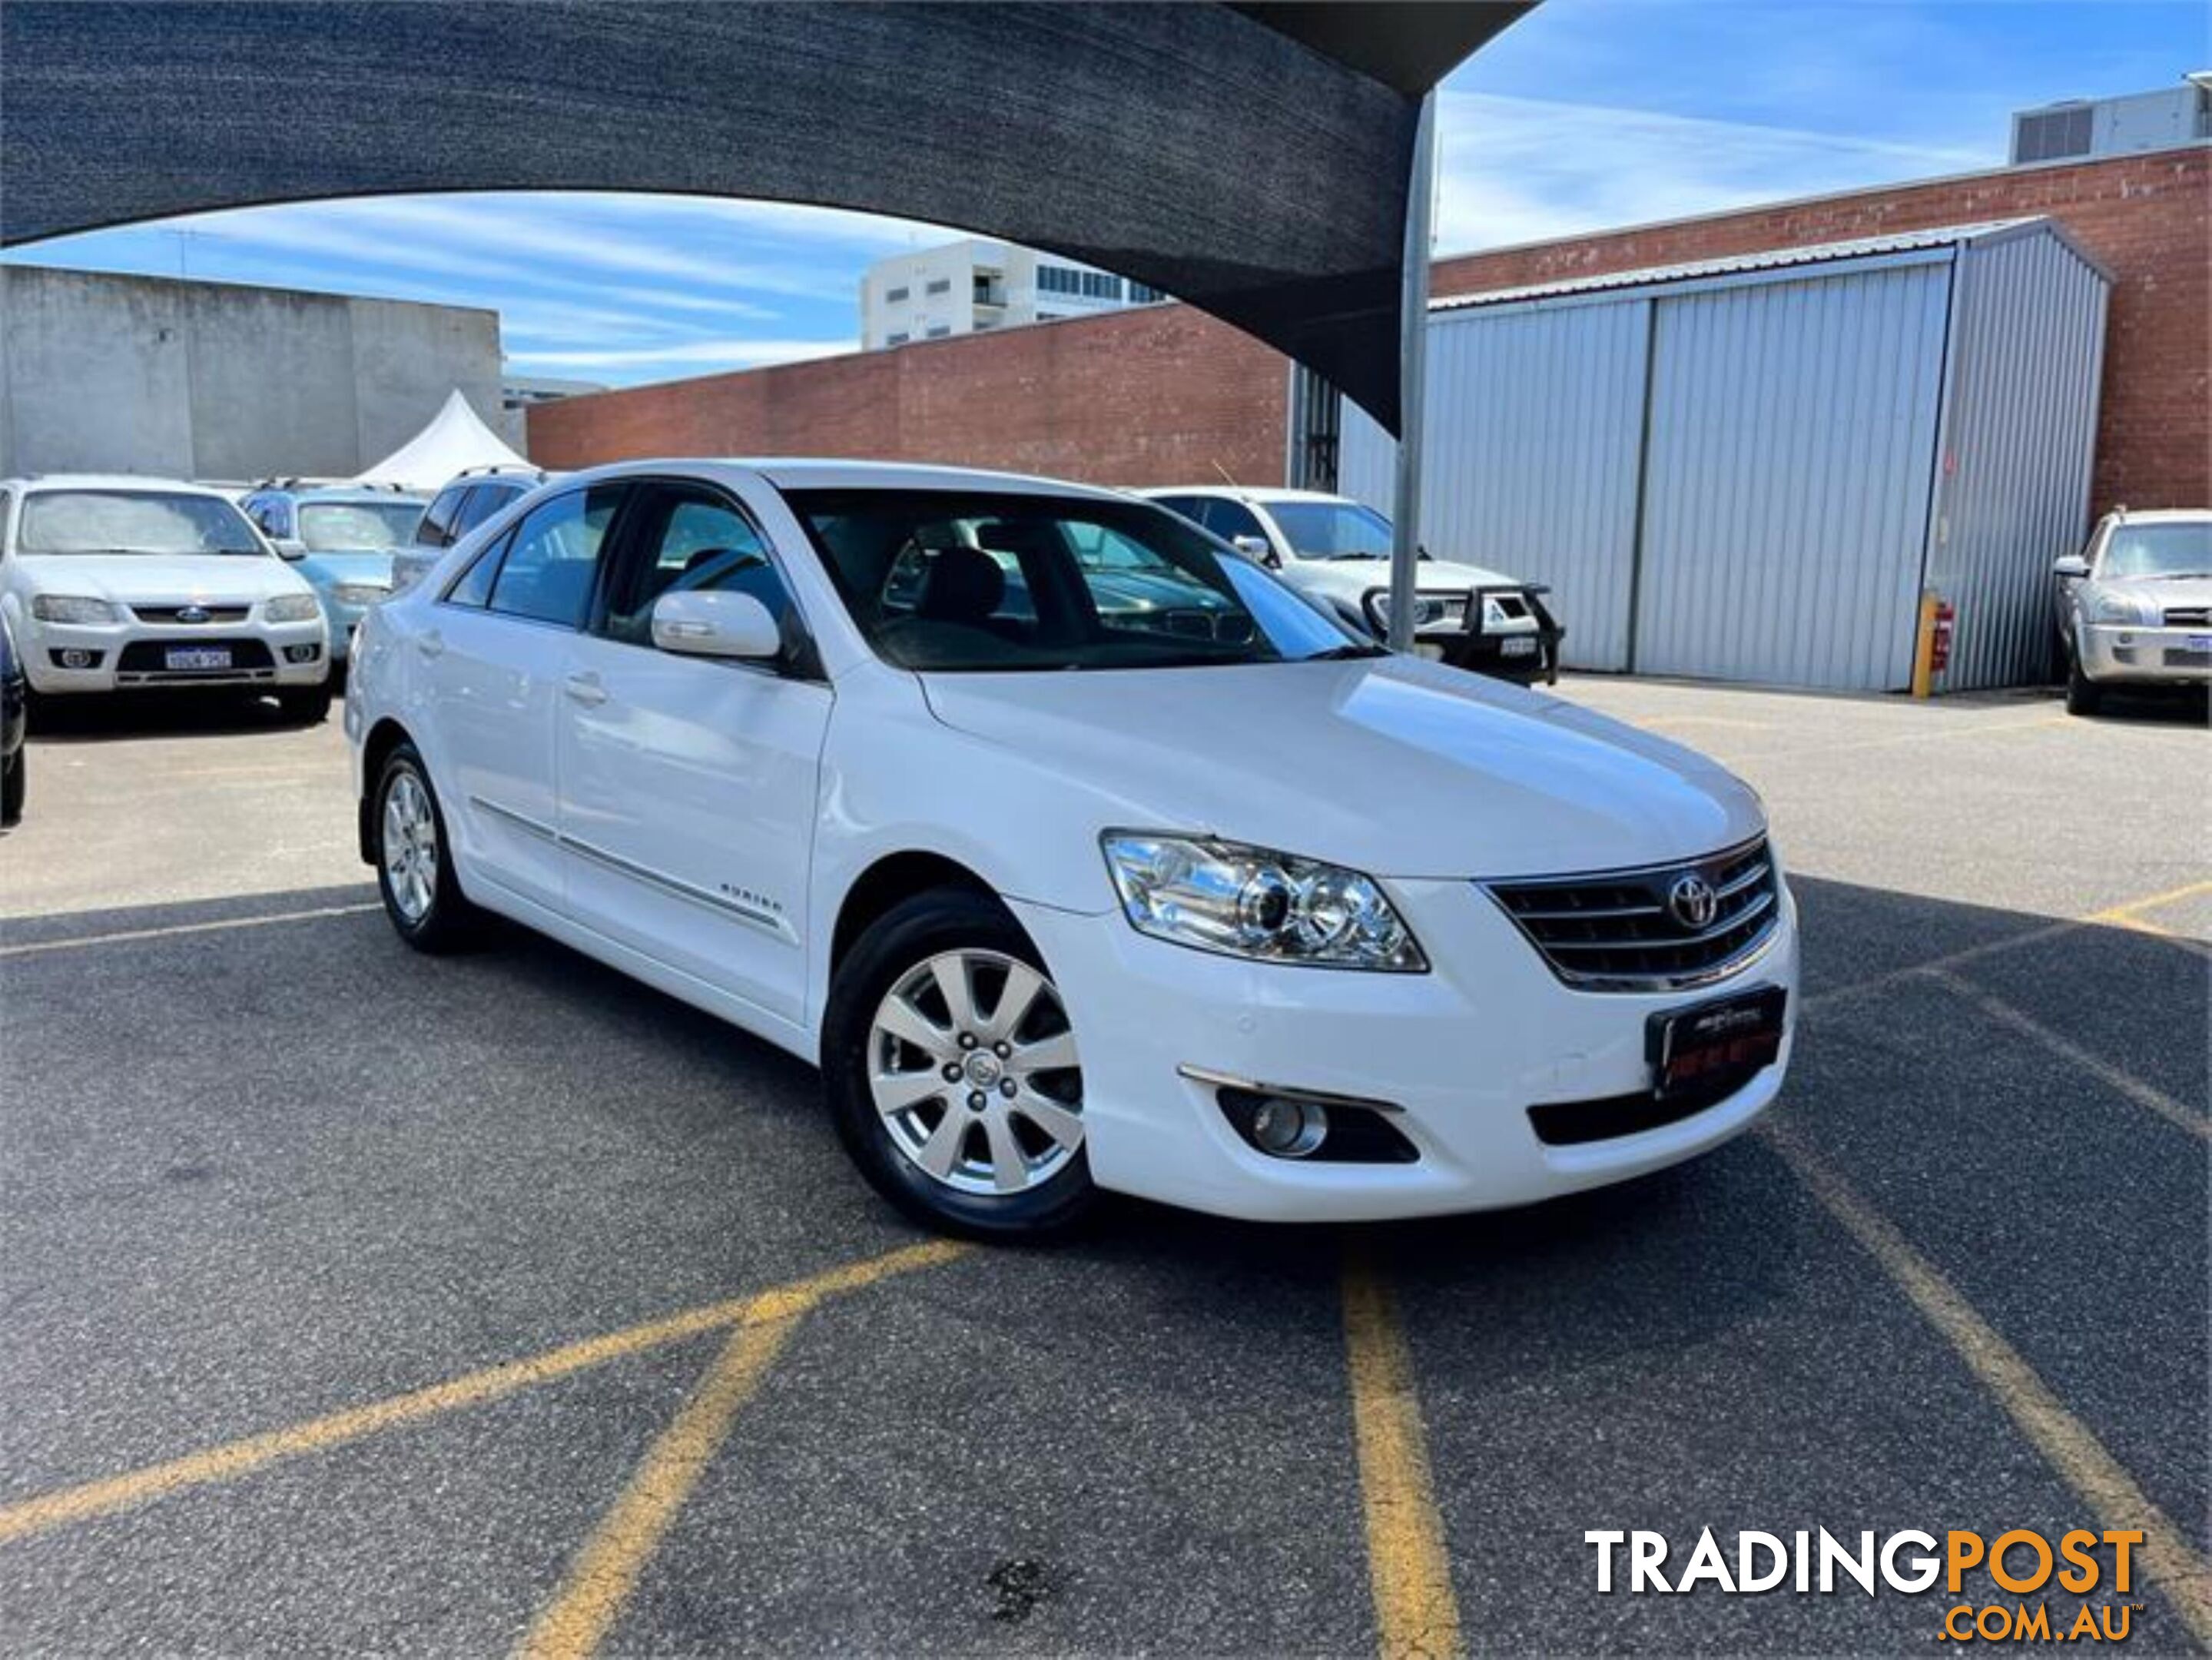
2162,515
1262,494
109,480
337,493
791,472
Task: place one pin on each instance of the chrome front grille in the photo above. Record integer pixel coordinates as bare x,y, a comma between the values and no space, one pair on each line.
2188,616
167,614
1644,929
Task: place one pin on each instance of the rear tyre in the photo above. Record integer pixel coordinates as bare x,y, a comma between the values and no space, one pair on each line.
2083,695
952,1074
14,777
309,707
414,861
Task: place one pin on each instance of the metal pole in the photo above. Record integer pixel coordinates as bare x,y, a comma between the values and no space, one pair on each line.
1412,379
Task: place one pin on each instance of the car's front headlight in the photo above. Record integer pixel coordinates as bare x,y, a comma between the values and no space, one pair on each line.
358,593
290,608
2128,609
74,608
1257,903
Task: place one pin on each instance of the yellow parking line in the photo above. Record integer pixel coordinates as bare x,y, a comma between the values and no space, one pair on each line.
130,935
605,1571
1408,1569
238,1458
2122,916
2151,1099
2129,910
2098,1479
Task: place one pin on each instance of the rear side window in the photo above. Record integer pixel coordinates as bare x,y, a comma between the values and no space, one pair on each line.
483,503
473,586
437,529
1230,520
554,556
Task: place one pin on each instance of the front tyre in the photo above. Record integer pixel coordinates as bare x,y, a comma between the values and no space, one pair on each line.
15,776
308,708
952,1071
414,865
2083,695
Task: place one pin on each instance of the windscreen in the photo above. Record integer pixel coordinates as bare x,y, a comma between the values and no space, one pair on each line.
2176,548
954,581
358,526
133,521
1333,530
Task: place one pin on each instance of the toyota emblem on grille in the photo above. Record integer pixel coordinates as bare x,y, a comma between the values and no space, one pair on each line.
192,614
1692,901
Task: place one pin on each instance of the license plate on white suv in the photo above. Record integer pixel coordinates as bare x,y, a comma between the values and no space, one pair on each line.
181,658
1525,646
2200,642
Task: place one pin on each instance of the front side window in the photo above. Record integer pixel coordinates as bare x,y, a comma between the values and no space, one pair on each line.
134,521
553,556
356,526
1333,530
960,581
690,541
2175,548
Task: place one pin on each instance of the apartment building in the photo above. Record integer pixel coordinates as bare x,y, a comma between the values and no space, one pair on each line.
969,286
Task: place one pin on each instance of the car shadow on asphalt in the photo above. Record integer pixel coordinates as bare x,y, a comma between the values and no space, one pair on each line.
117,716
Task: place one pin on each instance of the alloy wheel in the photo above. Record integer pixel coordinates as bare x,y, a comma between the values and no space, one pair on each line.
972,1065
410,848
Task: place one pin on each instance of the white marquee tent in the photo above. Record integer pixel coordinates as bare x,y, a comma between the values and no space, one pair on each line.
455,439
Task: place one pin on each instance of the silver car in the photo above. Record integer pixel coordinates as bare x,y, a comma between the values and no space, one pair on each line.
2135,607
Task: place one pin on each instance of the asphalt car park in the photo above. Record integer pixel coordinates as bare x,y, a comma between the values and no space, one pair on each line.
358,1301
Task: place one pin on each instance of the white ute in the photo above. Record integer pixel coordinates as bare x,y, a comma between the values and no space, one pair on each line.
1077,854
113,584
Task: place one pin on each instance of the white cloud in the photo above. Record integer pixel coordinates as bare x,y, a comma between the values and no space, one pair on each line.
701,355
1525,169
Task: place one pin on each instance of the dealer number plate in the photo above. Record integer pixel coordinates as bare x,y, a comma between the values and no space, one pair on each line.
2200,642
1524,647
179,658
1734,1037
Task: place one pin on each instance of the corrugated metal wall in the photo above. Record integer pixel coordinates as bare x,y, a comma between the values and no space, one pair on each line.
1535,417
2013,491
1821,439
1786,496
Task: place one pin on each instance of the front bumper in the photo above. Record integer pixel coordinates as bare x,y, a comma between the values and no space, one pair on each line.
1463,1052
134,656
2161,656
1523,648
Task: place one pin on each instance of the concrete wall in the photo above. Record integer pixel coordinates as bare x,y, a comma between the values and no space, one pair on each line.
100,373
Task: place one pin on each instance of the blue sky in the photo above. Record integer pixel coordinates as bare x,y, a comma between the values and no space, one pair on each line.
1587,113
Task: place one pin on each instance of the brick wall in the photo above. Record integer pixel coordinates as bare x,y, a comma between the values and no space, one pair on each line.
1162,395
1157,396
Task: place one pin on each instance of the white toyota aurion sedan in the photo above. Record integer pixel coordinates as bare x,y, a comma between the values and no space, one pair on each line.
1076,851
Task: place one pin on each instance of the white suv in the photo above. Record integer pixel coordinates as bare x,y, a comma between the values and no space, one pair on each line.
932,777
1337,551
116,583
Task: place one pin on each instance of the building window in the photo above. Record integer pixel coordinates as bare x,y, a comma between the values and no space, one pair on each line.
1097,285
941,285
938,331
898,339
1058,279
894,296
1144,293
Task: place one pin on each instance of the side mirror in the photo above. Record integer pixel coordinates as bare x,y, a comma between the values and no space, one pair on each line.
289,547
706,624
2069,567
1259,548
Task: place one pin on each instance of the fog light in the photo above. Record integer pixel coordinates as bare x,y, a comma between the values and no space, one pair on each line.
1289,1130
76,657
302,653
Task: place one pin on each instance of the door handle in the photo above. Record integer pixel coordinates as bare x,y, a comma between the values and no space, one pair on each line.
430,644
585,689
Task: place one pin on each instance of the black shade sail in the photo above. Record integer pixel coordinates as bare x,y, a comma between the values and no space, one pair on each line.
1249,159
